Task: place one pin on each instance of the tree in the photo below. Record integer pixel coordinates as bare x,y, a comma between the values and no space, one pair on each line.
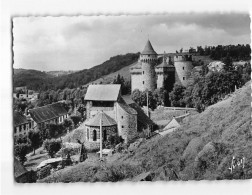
176,96
68,123
75,119
52,146
20,151
35,139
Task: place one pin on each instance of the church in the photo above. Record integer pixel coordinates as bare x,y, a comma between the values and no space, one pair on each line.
154,71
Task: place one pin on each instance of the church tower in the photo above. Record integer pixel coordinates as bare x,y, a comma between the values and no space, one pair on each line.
148,59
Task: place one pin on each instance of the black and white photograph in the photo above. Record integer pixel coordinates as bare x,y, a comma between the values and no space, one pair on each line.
132,98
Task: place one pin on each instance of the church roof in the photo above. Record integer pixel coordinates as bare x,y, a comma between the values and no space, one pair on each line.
148,49
103,92
106,120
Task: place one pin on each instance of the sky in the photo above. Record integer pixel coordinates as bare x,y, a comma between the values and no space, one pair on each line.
81,42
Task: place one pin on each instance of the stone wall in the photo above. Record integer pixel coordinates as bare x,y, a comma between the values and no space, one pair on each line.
89,133
127,124
182,73
136,82
148,76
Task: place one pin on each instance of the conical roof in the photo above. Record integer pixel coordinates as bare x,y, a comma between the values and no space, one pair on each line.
148,49
106,120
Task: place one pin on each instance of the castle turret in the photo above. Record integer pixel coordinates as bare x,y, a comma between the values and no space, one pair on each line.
148,59
165,74
183,66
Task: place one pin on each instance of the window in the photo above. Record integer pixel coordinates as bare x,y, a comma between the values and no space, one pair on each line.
29,125
122,126
143,72
143,82
183,78
15,129
94,135
183,68
122,117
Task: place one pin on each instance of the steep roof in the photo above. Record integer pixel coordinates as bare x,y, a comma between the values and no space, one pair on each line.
19,169
47,112
19,119
106,120
148,49
103,92
141,116
176,121
127,108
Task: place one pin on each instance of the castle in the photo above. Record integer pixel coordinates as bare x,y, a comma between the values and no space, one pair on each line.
149,74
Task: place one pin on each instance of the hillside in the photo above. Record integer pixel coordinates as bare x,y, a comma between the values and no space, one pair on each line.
201,149
37,80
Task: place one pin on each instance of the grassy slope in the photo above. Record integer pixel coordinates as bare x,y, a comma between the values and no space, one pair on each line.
201,149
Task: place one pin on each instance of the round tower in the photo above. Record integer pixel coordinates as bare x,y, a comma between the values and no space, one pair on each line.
183,66
148,59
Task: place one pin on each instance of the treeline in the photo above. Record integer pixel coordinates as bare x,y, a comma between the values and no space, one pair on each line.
236,52
208,88
40,81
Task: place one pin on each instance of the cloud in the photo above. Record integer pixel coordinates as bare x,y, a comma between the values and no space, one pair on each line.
62,43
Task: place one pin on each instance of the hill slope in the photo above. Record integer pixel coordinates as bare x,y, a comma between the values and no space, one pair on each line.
40,80
201,149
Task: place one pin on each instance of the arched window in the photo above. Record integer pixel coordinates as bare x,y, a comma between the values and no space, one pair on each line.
94,135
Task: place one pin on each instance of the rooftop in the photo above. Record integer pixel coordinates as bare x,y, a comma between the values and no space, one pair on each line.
104,118
103,92
19,169
19,118
148,49
47,112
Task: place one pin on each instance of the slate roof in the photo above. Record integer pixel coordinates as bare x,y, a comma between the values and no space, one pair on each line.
148,49
127,108
106,120
19,169
19,119
103,92
141,116
47,112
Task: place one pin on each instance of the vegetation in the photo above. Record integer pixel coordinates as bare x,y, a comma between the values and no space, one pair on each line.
52,146
20,151
35,139
40,81
205,90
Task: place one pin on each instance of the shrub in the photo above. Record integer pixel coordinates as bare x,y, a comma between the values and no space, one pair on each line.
34,137
20,150
44,172
75,119
52,146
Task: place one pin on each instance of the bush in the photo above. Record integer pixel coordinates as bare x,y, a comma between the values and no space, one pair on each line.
75,119
44,172
52,146
20,150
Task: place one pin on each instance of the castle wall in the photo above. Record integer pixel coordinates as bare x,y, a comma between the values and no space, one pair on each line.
183,66
160,81
148,76
136,82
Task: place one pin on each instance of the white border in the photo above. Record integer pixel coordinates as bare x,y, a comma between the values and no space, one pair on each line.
10,8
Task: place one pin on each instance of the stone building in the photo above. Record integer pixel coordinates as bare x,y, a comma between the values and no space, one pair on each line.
105,102
148,73
120,115
22,124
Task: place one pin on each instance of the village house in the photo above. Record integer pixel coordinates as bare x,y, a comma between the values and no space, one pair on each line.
51,113
22,124
105,103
